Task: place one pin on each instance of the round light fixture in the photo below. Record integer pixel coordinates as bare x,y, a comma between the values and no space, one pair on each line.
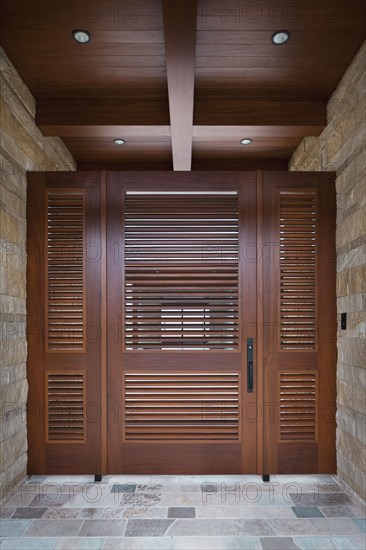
246,141
280,37
81,36
119,141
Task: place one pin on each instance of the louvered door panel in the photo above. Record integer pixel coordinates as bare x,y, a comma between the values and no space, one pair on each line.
64,317
181,279
298,406
195,406
65,397
299,307
65,271
298,269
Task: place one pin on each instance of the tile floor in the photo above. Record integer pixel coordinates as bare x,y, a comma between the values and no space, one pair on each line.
182,513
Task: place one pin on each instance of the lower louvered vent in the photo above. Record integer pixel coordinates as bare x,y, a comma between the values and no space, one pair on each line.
181,406
298,406
65,406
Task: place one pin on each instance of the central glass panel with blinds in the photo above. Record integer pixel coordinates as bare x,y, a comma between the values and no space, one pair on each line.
181,271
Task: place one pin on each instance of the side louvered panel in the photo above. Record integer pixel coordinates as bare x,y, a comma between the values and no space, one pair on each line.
298,406
192,406
65,398
298,269
181,271
65,309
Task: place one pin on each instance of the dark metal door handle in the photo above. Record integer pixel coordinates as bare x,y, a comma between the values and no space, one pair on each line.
250,365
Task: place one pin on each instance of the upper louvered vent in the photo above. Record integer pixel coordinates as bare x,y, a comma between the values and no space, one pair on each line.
181,406
65,267
298,263
65,406
298,406
181,279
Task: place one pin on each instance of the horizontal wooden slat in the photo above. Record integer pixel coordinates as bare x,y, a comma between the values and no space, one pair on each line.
196,406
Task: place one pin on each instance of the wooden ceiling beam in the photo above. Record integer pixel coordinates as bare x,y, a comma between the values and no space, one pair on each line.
237,132
150,118
180,20
104,111
132,133
241,111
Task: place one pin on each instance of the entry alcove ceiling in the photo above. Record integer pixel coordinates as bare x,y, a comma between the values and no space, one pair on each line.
182,81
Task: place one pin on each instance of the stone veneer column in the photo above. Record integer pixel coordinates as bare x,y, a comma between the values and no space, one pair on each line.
342,148
22,148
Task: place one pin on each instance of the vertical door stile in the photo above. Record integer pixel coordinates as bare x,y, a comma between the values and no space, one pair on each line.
103,327
260,328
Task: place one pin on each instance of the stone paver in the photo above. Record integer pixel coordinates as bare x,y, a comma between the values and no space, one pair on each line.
182,513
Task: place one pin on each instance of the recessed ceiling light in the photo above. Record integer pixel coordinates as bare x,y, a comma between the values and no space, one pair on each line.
119,141
280,37
246,141
81,36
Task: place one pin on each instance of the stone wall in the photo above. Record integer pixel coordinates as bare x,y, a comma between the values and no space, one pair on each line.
22,148
342,147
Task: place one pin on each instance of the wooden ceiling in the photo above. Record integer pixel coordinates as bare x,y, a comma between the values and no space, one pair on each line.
182,81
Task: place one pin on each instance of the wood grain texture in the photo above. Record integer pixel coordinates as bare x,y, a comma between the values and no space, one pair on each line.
239,77
161,456
299,457
59,456
180,17
299,374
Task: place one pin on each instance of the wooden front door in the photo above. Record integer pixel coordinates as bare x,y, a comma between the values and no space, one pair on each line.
181,322
181,307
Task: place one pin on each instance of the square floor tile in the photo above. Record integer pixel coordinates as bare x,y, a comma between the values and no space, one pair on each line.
37,479
14,527
61,513
333,526
54,528
29,544
147,527
346,543
123,488
103,528
203,527
50,499
314,543
359,541
337,512
79,543
289,527
278,543
307,512
361,524
28,513
181,512
7,512
149,488
317,499
257,527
